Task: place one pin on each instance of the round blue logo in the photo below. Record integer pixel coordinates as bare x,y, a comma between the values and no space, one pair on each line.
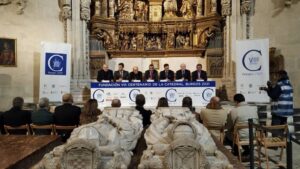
55,63
171,95
99,95
252,60
133,93
207,94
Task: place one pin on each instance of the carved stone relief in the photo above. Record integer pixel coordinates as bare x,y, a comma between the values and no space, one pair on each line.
85,10
226,7
215,65
21,5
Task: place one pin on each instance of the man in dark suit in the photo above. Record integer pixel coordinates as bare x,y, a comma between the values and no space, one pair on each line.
183,73
67,114
151,74
121,74
135,74
105,74
166,74
16,116
199,74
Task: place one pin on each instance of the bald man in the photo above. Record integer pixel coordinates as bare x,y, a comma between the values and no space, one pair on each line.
183,74
116,103
105,74
135,74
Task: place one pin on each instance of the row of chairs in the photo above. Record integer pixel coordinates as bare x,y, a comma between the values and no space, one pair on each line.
32,128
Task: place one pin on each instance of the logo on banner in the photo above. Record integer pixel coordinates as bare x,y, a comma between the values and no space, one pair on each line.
207,94
252,60
133,93
99,95
171,95
56,64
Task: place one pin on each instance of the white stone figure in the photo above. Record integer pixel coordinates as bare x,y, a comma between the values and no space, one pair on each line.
126,10
114,136
133,43
85,9
170,8
176,138
141,10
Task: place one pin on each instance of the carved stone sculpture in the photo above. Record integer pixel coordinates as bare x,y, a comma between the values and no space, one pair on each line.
204,36
141,10
186,9
114,136
85,9
126,10
176,140
170,41
5,2
170,8
105,38
199,8
226,7
245,6
21,5
213,7
112,7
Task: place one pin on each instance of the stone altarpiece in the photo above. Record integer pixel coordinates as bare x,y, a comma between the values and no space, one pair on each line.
155,28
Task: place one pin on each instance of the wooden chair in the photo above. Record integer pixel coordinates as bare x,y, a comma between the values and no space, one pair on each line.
237,139
268,141
8,128
220,129
58,127
35,127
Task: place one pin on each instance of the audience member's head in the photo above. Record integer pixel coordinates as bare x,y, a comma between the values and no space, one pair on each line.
44,103
214,103
283,75
116,103
67,98
238,98
90,112
187,102
18,102
121,66
162,102
140,100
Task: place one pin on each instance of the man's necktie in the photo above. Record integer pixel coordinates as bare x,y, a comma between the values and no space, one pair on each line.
151,74
121,73
199,75
183,73
166,74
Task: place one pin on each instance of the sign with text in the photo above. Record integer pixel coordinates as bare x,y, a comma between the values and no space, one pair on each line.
252,69
200,92
55,71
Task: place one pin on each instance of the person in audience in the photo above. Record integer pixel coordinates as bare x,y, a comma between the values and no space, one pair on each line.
183,74
135,74
162,102
121,74
140,102
105,74
166,74
151,74
213,114
116,103
240,114
188,102
42,116
67,114
90,112
282,98
16,116
199,74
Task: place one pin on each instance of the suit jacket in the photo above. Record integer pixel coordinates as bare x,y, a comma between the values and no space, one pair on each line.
146,114
42,117
162,75
155,75
117,75
67,115
213,117
16,117
203,75
102,75
138,76
186,76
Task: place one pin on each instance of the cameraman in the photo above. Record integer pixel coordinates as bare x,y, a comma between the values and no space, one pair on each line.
282,98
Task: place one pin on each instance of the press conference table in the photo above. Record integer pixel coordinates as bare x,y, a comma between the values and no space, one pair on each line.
20,151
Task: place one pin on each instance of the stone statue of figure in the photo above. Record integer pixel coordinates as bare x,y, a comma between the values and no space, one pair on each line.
85,9
186,9
213,6
126,10
112,8
170,8
141,9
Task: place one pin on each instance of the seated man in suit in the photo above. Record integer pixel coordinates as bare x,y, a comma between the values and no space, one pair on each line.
199,74
66,114
16,116
105,74
183,73
166,74
151,74
121,74
135,74
42,116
